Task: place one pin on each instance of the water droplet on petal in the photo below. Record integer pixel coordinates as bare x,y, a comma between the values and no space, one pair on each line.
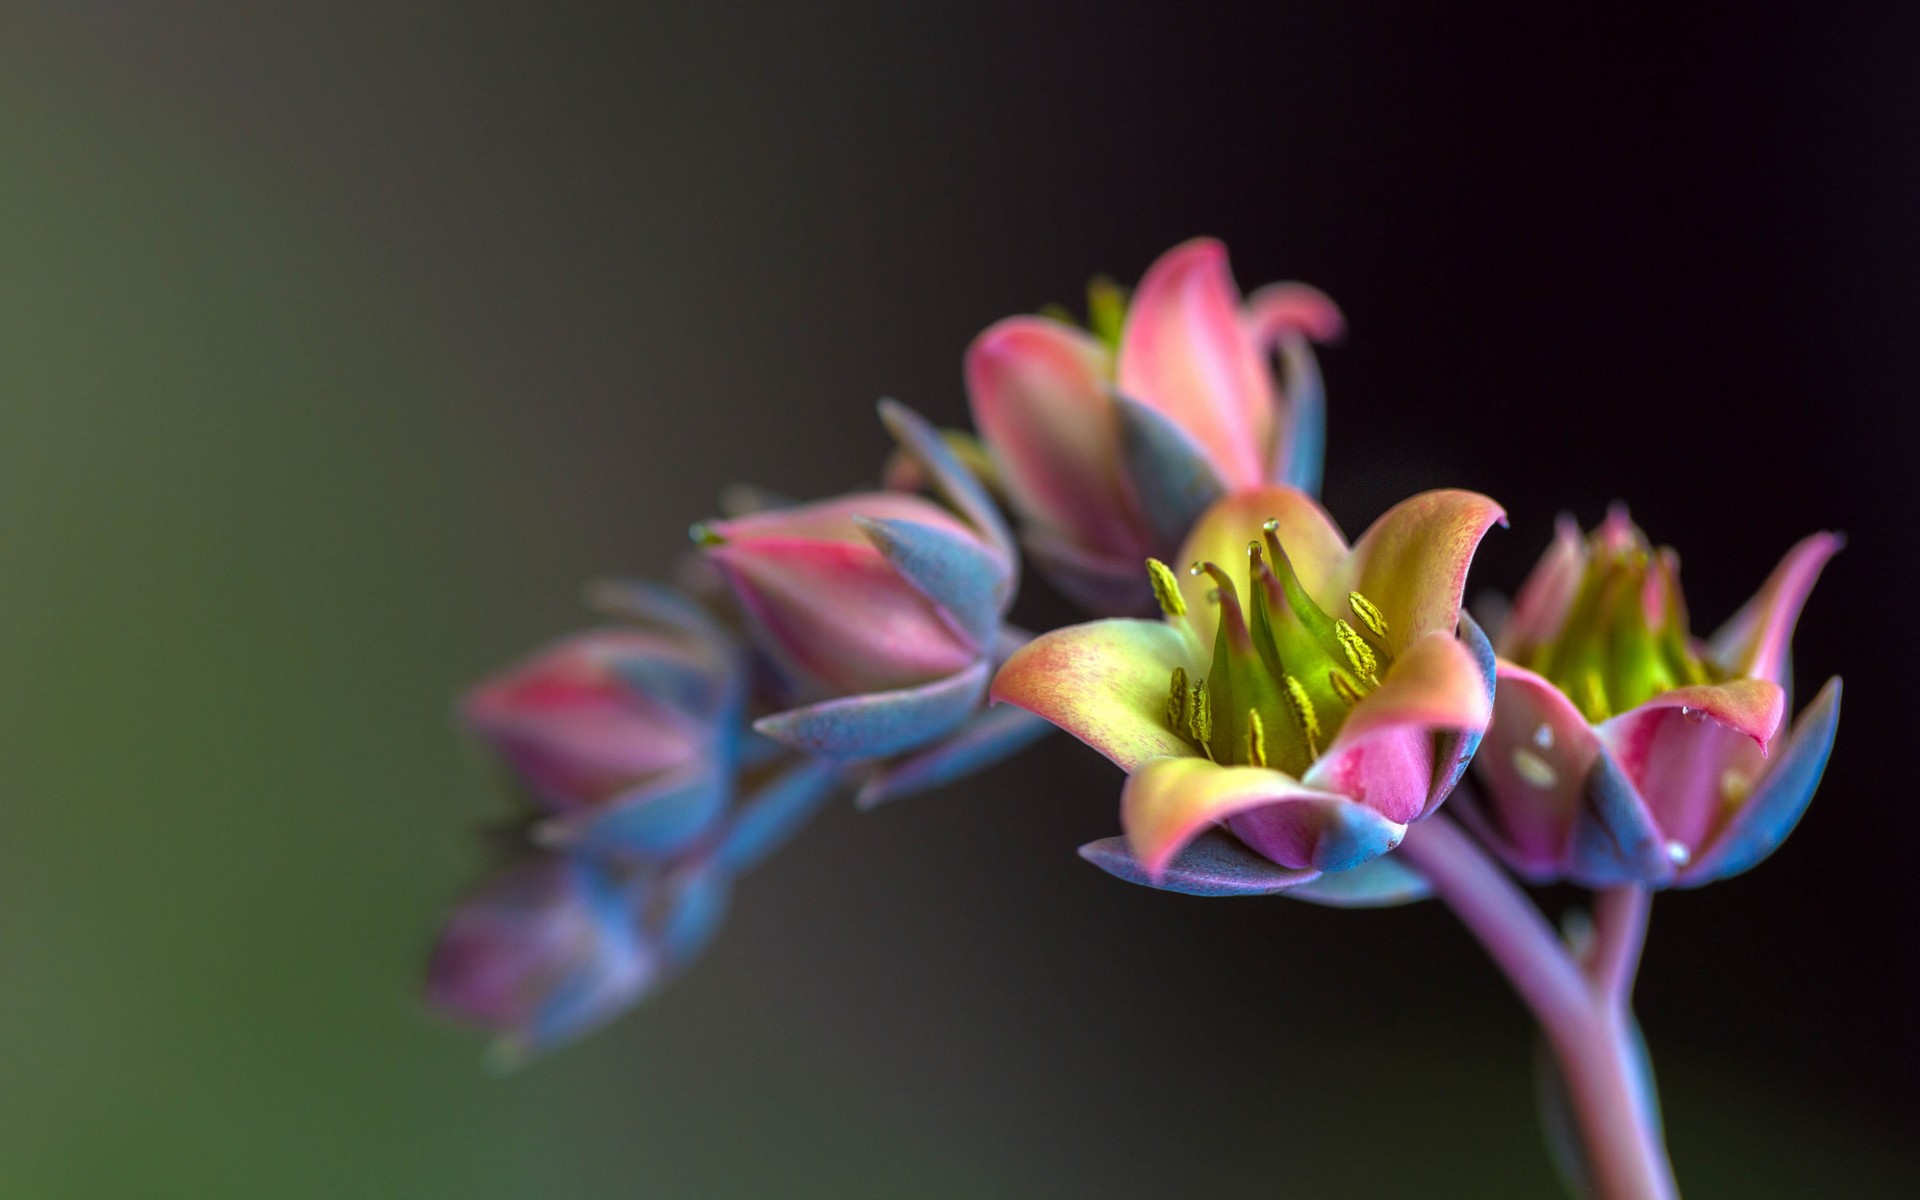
1543,737
1678,854
1696,715
1534,769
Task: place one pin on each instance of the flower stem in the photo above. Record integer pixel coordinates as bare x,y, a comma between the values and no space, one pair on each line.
1583,1014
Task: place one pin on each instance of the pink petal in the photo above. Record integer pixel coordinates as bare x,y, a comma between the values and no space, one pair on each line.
1282,309
1412,562
1683,748
840,613
833,520
1533,765
1039,394
1104,682
1756,641
1308,535
1167,802
1542,603
1383,755
1183,351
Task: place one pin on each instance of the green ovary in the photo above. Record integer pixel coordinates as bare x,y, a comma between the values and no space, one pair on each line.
1284,673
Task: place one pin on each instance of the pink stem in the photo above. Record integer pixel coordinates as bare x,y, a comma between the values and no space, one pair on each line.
1585,1021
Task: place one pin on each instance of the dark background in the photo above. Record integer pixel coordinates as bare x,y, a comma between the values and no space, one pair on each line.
338,344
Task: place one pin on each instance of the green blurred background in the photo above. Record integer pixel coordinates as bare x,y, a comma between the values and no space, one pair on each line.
337,345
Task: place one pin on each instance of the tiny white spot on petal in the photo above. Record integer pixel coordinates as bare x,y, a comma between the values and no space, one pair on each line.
1543,736
1678,854
1534,769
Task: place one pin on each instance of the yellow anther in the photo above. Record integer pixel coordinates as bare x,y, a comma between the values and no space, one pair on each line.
1343,686
1200,715
1166,588
1256,740
1369,614
1177,701
1360,656
1593,697
1302,705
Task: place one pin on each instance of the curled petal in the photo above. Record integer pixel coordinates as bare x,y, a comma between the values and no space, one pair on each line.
877,724
1755,642
1300,440
1281,310
1452,751
1412,562
1184,352
1105,682
1168,802
1533,768
1305,531
1383,754
988,737
1541,605
1770,812
1172,477
1213,864
1039,392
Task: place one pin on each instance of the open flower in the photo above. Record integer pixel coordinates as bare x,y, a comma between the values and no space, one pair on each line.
1623,750
625,736
881,610
1311,699
1110,443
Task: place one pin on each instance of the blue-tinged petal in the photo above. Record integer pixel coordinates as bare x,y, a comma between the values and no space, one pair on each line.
655,604
1454,749
686,686
1615,839
612,971
879,724
966,580
696,906
1782,795
1380,883
951,478
1101,584
657,819
775,811
1353,834
1173,479
1213,864
987,738
1301,444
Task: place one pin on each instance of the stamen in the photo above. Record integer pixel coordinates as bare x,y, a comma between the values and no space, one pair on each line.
1177,701
1302,706
1343,686
1200,716
1369,614
1593,696
1360,656
1256,740
1166,589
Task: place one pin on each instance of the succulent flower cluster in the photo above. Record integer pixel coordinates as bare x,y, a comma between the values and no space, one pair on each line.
1291,710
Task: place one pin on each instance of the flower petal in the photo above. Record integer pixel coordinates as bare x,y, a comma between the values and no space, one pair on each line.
951,479
1167,802
1101,584
1756,641
774,812
1309,536
1039,393
1378,883
1541,605
968,582
1616,838
1383,756
648,821
1183,351
1299,451
1213,864
1532,769
1172,478
1105,682
1412,562
988,737
1773,808
1453,750
1290,309
877,724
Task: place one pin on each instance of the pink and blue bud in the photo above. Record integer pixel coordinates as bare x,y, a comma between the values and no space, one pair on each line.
1623,749
1110,442
881,611
1301,703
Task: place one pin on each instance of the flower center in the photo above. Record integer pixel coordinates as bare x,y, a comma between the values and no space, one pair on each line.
1284,673
1625,637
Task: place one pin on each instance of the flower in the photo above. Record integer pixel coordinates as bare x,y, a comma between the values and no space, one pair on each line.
624,736
1624,750
881,610
1314,715
1110,443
